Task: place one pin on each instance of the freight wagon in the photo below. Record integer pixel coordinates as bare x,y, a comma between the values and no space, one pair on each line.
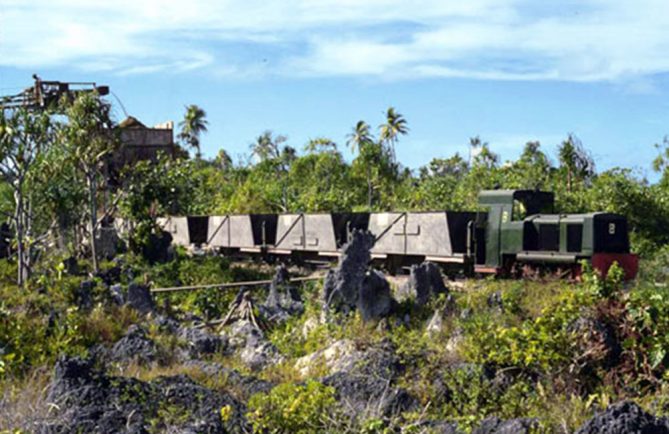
515,231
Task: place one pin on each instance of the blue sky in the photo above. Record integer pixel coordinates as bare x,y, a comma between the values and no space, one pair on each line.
507,70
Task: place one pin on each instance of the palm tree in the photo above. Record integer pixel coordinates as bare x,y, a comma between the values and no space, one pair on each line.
574,159
223,160
193,124
320,144
360,136
395,126
475,145
266,146
360,139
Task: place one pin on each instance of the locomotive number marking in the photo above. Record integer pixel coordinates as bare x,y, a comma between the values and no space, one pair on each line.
612,228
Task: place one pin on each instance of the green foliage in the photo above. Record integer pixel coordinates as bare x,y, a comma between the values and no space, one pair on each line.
293,408
540,343
648,340
471,397
200,270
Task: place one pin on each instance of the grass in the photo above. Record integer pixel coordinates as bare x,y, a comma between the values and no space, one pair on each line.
23,403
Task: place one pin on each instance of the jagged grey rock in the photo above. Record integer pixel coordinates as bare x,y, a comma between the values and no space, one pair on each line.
134,346
116,294
84,294
591,333
251,345
368,389
283,299
201,342
350,285
139,297
341,356
374,300
87,400
425,281
166,324
436,323
625,418
280,281
342,284
110,276
200,407
495,425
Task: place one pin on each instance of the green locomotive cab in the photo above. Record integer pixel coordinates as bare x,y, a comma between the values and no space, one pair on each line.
521,229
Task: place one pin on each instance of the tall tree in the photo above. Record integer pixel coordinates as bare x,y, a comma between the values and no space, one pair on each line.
24,137
267,147
192,126
390,131
361,139
275,157
90,138
320,144
223,160
360,136
575,161
475,145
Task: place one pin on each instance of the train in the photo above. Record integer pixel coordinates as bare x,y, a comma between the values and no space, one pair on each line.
514,233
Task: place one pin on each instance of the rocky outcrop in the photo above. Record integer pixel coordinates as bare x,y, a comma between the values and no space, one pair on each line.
495,425
199,406
201,342
342,284
86,400
116,294
625,418
436,323
374,300
283,300
596,342
134,346
84,295
250,343
368,388
350,285
341,356
111,275
139,297
247,385
425,282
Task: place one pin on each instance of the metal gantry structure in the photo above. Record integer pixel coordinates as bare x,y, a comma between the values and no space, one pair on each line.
46,93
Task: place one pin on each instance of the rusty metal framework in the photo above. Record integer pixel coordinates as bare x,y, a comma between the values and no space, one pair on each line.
46,93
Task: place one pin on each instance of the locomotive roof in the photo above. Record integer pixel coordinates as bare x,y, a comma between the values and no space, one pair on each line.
515,194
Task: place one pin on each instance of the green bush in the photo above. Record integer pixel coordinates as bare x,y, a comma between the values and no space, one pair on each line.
543,342
293,408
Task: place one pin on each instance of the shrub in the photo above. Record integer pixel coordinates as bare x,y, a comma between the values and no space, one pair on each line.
293,408
543,342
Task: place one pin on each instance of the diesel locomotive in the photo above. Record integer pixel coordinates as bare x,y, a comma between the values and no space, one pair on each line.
515,232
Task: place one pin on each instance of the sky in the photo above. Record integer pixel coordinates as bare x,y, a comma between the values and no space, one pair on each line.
508,71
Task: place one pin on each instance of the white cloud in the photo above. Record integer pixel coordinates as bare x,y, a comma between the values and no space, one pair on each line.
590,40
